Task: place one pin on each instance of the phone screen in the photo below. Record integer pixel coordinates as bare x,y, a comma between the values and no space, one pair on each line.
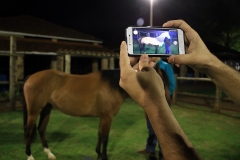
155,41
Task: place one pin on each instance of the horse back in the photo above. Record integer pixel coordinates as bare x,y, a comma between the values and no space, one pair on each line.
77,95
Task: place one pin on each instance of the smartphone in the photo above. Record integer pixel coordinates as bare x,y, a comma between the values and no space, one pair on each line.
155,41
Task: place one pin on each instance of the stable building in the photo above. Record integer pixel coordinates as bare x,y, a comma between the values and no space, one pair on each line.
29,44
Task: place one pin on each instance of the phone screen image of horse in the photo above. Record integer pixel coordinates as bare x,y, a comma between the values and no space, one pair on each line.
153,41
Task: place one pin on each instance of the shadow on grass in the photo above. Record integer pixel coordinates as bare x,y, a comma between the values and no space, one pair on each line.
10,138
77,157
230,153
227,113
58,136
120,127
153,157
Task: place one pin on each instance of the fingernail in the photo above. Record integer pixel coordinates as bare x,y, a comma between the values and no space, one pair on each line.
144,57
177,65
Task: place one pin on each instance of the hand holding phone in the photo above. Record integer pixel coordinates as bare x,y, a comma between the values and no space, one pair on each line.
155,41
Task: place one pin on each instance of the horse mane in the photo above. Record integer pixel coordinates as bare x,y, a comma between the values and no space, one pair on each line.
140,39
113,76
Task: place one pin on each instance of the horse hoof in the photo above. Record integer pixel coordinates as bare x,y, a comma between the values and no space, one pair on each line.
51,156
30,158
49,153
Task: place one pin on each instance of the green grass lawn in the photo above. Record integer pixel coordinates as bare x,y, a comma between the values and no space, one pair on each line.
215,136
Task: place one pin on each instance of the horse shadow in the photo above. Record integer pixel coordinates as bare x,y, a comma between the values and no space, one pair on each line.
153,157
75,157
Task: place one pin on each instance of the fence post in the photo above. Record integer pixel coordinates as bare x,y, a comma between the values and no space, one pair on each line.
174,96
218,97
12,72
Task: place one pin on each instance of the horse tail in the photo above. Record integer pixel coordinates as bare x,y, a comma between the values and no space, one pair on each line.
25,115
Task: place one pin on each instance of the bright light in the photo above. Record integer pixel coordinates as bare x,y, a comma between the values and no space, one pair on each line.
135,32
175,42
140,21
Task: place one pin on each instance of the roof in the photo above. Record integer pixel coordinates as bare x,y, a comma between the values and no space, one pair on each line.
36,36
46,46
32,25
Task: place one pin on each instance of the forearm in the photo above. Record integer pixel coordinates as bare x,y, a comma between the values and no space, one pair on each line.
173,141
226,78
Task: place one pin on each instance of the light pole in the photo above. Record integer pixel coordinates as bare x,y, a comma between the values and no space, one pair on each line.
151,12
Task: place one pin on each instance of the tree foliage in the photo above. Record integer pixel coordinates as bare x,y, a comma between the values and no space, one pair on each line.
222,24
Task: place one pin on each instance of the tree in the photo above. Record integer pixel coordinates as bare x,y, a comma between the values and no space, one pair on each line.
221,23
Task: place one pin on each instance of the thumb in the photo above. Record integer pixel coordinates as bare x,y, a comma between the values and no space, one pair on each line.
143,61
179,59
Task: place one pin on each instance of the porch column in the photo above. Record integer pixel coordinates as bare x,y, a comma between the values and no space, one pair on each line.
60,63
111,63
54,62
94,65
67,63
104,63
20,68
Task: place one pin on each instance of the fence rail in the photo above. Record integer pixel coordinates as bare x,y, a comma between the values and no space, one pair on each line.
7,82
218,94
192,78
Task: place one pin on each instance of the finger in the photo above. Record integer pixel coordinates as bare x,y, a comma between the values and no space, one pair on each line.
136,67
180,59
124,59
178,24
188,31
144,61
152,64
133,60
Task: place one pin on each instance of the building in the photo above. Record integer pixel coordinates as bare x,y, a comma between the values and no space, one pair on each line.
226,55
29,44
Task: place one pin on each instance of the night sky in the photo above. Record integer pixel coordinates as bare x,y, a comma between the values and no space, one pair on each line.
107,19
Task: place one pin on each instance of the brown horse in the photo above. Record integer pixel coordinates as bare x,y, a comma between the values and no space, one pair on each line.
97,94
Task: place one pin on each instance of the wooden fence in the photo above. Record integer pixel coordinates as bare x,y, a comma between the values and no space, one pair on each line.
218,94
217,105
9,103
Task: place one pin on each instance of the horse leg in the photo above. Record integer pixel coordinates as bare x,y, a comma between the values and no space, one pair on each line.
156,49
143,48
98,147
44,118
30,134
103,133
140,48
